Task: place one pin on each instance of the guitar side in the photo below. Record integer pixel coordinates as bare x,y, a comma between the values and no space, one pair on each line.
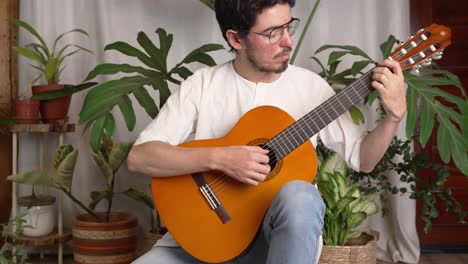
189,217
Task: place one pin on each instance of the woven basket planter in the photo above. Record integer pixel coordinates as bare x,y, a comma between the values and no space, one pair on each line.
360,250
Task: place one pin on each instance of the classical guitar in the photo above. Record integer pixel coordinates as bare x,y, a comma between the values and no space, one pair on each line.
214,217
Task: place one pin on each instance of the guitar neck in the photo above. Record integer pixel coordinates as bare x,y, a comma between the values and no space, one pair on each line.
310,124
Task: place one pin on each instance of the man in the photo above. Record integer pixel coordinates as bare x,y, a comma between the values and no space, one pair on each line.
213,99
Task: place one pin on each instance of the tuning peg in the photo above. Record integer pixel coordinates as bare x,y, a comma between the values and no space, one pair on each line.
427,62
438,55
421,30
410,37
415,70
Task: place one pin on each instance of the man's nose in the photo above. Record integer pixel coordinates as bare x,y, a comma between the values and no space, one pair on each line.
286,40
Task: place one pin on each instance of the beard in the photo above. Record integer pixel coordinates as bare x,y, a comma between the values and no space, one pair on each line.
251,57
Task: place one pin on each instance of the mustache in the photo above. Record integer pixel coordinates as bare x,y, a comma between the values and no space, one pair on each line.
285,51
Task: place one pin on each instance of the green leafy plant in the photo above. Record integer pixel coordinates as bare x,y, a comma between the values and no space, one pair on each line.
49,60
96,111
109,159
347,205
10,251
452,129
430,192
423,88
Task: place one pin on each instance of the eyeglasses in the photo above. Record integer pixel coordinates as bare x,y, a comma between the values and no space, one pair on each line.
277,33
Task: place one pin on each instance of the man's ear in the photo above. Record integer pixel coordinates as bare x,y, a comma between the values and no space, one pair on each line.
234,39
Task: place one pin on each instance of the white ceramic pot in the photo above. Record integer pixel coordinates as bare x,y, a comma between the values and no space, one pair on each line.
40,218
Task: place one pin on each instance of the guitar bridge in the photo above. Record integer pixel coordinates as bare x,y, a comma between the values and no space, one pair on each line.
211,198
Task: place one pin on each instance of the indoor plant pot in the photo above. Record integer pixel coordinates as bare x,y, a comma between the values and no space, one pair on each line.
360,250
105,242
39,215
26,111
150,240
54,109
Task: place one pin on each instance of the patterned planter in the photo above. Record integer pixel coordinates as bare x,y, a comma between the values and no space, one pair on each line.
361,250
100,242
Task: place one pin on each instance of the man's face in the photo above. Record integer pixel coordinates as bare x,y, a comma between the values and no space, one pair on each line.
262,55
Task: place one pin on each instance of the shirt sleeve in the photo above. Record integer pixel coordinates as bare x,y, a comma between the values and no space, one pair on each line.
176,119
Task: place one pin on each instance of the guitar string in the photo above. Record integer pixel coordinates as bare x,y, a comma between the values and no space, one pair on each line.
220,181
292,132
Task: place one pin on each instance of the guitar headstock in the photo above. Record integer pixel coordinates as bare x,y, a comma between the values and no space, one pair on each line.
426,46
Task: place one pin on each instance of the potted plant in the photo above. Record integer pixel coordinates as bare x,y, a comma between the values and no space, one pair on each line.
49,61
95,233
347,206
26,110
155,232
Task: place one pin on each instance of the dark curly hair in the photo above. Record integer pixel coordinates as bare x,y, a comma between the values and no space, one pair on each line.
241,15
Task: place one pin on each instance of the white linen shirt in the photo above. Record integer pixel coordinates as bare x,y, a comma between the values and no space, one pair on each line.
211,101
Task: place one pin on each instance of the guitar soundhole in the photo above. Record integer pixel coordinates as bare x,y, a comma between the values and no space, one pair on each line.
274,163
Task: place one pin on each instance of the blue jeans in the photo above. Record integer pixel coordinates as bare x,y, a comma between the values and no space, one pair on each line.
291,232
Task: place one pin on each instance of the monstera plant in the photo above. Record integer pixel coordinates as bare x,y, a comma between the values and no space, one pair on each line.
426,104
425,99
96,111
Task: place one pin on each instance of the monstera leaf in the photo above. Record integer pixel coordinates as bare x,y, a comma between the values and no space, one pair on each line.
96,111
426,101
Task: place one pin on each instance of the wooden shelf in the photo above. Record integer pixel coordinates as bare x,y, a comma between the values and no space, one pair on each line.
51,239
43,128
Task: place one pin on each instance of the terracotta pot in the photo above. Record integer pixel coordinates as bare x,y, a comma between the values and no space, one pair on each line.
101,242
150,240
55,109
26,111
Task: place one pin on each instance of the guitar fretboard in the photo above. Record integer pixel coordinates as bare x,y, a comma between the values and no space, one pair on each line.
310,124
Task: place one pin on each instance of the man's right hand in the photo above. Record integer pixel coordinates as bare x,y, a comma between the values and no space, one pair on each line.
247,164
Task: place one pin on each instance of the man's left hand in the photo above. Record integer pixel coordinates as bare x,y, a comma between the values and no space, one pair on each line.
390,83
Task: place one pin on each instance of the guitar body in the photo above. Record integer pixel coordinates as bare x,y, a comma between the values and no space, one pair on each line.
189,217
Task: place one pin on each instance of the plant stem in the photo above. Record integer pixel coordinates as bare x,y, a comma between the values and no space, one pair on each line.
110,195
304,31
79,203
110,204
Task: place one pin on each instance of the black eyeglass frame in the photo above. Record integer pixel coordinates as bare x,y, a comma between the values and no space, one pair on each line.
282,27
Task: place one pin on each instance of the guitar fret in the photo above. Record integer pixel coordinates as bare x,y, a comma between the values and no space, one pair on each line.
304,132
294,134
320,117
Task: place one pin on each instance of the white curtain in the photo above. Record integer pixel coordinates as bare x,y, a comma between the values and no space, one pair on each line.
364,23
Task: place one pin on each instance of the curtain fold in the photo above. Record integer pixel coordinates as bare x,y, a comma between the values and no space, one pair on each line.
363,23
